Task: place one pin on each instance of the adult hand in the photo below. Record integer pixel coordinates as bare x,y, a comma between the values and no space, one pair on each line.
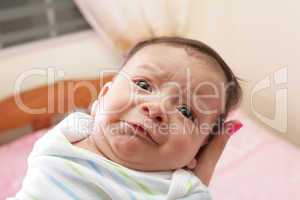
209,155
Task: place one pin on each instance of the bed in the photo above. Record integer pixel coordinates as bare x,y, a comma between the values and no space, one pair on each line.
254,165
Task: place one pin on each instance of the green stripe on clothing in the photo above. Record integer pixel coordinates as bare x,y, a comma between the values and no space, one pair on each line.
141,185
99,190
189,186
75,169
31,196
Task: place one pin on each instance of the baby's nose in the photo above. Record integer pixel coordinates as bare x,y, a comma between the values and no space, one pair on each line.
154,111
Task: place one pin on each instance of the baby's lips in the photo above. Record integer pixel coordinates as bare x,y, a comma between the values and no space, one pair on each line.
236,126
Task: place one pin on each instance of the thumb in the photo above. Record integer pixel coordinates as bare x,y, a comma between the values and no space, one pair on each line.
210,154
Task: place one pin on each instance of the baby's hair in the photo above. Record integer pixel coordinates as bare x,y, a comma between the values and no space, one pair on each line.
233,92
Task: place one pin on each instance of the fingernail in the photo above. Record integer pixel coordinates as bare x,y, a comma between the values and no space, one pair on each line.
235,128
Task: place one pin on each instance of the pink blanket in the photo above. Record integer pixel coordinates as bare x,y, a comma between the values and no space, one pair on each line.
254,165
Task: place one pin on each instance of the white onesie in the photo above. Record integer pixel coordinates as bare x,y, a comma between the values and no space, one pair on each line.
59,170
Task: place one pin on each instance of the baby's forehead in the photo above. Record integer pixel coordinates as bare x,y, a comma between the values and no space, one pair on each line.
169,60
178,70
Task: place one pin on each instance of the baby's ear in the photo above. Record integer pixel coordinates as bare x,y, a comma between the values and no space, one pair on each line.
104,89
94,108
102,92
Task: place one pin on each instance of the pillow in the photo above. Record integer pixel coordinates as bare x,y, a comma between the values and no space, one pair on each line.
14,163
256,165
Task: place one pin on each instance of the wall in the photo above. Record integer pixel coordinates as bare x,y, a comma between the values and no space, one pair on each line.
257,38
82,59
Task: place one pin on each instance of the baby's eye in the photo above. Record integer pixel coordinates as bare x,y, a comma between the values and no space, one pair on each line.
143,84
186,112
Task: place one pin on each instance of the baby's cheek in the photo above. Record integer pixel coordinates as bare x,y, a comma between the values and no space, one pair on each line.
118,99
182,147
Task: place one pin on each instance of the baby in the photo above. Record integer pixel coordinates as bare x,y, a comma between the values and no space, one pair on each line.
148,125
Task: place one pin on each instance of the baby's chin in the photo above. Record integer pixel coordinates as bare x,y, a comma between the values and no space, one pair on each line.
131,151
127,145
125,149
124,141
130,154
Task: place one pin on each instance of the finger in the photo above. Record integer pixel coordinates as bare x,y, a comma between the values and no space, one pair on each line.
209,156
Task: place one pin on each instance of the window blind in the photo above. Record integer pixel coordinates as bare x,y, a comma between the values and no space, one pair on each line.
23,21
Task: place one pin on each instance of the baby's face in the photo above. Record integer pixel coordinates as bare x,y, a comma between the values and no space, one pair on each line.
172,95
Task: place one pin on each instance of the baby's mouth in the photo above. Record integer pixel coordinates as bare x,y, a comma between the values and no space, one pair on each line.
140,131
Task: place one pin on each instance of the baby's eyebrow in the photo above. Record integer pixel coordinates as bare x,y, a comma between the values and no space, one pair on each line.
153,69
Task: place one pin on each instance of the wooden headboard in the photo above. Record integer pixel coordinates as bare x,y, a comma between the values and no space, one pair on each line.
58,98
